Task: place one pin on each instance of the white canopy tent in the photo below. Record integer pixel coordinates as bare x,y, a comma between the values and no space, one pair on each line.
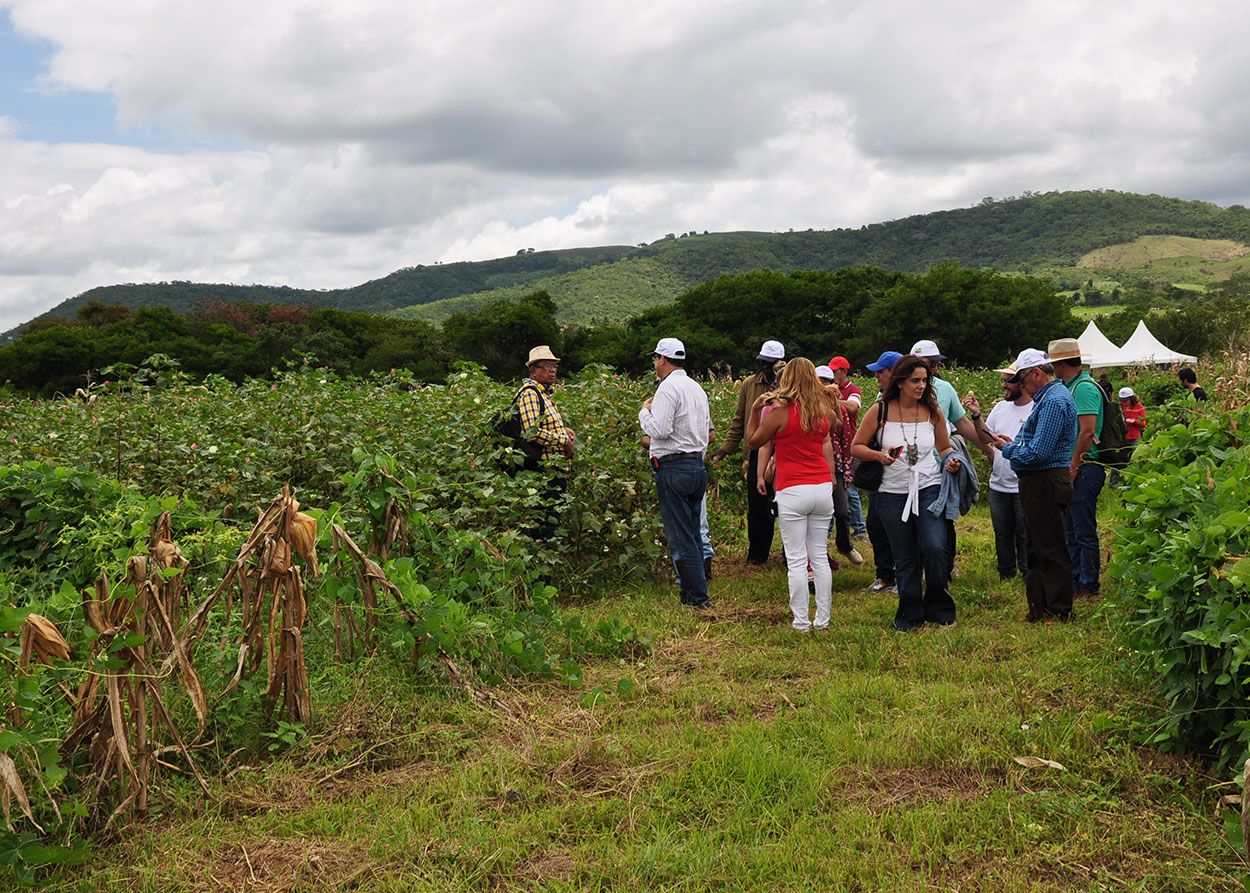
1144,349
1097,350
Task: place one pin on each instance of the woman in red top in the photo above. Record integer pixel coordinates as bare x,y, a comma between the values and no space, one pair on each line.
1134,424
799,430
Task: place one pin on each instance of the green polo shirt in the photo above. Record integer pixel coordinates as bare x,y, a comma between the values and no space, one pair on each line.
1089,401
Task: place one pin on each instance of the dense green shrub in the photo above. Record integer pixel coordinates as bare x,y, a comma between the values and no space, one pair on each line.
1182,578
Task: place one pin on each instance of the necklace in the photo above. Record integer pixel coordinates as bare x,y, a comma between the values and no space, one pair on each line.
913,445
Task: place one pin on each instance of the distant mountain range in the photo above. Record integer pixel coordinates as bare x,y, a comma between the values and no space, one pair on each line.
1065,234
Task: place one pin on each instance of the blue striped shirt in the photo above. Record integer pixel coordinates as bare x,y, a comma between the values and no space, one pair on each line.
1048,436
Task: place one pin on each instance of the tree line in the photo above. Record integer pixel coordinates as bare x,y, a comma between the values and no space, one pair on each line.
978,317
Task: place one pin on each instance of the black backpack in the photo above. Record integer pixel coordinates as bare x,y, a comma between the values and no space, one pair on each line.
1113,446
507,424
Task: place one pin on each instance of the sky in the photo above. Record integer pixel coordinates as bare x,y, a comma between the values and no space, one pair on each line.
324,143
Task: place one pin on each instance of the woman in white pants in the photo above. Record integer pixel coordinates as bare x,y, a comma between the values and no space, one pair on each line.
799,431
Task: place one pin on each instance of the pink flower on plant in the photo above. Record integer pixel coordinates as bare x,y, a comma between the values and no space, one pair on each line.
106,383
273,387
62,418
194,446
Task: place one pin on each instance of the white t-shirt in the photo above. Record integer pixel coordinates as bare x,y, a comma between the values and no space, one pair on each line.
1006,418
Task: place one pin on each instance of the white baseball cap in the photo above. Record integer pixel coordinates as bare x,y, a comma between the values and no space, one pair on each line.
772,350
1125,393
1029,358
926,348
671,348
824,373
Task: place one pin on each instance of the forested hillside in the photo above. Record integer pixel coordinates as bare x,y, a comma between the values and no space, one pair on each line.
1033,232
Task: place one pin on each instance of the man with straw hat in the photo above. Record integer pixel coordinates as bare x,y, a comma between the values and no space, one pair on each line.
546,429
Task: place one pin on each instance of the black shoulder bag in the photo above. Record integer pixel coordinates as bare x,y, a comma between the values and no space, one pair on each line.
868,472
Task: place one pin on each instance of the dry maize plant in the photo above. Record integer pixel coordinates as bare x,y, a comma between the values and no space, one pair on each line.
121,703
369,578
272,604
39,640
1231,388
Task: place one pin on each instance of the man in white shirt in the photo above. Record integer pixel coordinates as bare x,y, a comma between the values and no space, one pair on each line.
1007,417
677,419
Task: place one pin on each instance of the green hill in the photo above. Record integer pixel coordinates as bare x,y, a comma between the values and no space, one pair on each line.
1036,233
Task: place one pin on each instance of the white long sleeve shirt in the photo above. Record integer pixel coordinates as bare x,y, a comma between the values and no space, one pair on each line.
679,417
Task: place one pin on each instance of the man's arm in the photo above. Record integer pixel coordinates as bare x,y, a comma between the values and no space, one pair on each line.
1084,440
656,415
736,429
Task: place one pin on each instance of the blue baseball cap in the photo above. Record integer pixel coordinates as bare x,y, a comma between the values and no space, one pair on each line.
885,361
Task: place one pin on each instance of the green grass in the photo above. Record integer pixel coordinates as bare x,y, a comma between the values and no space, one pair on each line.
746,757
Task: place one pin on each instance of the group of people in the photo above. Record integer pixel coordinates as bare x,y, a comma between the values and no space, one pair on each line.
803,438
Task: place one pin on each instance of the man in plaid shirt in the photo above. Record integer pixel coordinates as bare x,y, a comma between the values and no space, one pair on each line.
544,426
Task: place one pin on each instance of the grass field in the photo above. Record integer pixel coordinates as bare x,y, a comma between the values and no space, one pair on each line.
745,756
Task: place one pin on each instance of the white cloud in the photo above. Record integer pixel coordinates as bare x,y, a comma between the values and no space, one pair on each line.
383,134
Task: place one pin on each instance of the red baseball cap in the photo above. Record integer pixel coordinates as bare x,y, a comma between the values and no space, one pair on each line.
839,363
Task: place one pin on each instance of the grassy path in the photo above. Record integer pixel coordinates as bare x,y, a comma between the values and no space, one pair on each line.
746,757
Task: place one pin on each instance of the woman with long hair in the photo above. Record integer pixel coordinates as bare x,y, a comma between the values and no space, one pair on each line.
915,448
803,414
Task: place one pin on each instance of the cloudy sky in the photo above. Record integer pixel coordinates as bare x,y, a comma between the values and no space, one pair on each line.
322,143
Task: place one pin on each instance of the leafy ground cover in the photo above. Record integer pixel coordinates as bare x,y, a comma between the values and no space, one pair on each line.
743,756
606,737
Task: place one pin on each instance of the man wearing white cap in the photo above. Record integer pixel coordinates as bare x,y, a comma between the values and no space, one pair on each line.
761,510
677,420
1007,417
1039,455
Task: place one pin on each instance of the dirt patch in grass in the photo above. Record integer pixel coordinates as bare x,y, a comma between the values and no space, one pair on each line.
923,784
302,790
277,866
544,867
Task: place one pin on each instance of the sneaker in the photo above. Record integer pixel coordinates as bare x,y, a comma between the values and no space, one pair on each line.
854,557
878,586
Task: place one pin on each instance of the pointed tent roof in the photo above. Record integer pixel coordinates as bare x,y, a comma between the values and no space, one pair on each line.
1143,348
1097,350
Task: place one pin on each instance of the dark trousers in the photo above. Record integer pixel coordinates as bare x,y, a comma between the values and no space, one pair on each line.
761,512
919,545
882,554
841,516
1044,496
1010,542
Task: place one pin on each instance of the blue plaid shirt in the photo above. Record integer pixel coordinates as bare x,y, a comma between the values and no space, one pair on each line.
1048,436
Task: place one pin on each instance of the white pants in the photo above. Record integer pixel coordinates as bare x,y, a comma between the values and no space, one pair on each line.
803,514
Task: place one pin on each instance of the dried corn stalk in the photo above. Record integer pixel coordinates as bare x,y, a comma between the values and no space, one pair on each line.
272,602
121,702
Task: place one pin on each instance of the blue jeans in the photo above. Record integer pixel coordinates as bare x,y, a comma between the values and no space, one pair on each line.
920,547
680,486
858,527
1080,525
1010,544
704,536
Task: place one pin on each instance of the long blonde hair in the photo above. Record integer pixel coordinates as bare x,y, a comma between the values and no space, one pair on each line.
800,386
